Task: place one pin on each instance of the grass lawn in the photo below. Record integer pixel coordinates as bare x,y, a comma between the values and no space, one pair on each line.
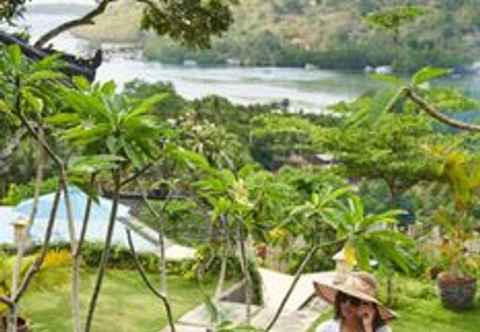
420,310
125,305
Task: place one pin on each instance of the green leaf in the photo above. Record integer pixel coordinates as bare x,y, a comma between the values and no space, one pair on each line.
16,55
81,82
390,79
146,106
44,75
4,107
427,74
63,118
51,62
109,88
363,254
93,164
35,102
132,155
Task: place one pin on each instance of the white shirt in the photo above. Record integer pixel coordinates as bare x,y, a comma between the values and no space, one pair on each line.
334,326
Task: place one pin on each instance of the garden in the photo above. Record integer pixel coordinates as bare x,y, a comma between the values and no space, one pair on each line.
391,180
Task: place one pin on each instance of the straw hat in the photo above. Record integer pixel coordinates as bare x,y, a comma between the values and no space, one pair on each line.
361,285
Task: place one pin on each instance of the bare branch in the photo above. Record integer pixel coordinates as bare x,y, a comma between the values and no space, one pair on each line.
434,113
136,175
35,267
5,300
145,279
299,273
87,19
86,218
40,140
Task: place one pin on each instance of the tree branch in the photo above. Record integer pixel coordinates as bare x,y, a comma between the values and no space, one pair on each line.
306,260
40,140
87,19
35,267
86,219
434,113
145,279
136,175
5,300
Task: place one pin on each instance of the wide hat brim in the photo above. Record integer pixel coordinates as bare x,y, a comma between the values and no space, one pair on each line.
328,292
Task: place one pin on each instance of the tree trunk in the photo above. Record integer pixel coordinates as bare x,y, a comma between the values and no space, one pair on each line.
105,253
145,279
35,267
223,267
77,260
221,279
393,203
75,282
162,264
161,236
298,274
246,273
22,245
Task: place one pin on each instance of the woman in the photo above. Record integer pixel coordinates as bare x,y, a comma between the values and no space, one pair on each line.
355,303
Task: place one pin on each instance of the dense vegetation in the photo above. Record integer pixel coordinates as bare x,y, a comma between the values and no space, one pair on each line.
335,34
391,178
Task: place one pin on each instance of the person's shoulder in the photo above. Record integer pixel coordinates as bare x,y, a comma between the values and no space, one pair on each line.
329,326
384,329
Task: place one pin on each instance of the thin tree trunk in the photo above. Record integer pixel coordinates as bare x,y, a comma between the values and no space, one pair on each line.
298,274
161,235
393,203
246,273
35,267
223,268
16,292
77,260
21,247
162,264
160,295
105,253
221,279
75,282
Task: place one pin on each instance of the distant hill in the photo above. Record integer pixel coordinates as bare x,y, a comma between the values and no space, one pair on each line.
324,33
333,34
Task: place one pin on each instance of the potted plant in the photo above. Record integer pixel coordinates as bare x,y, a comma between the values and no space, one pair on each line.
457,283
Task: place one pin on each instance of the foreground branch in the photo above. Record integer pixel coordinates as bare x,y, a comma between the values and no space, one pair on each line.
105,254
434,113
5,300
145,279
35,267
87,19
299,273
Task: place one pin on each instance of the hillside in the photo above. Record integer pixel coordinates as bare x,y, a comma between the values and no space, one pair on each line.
329,34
